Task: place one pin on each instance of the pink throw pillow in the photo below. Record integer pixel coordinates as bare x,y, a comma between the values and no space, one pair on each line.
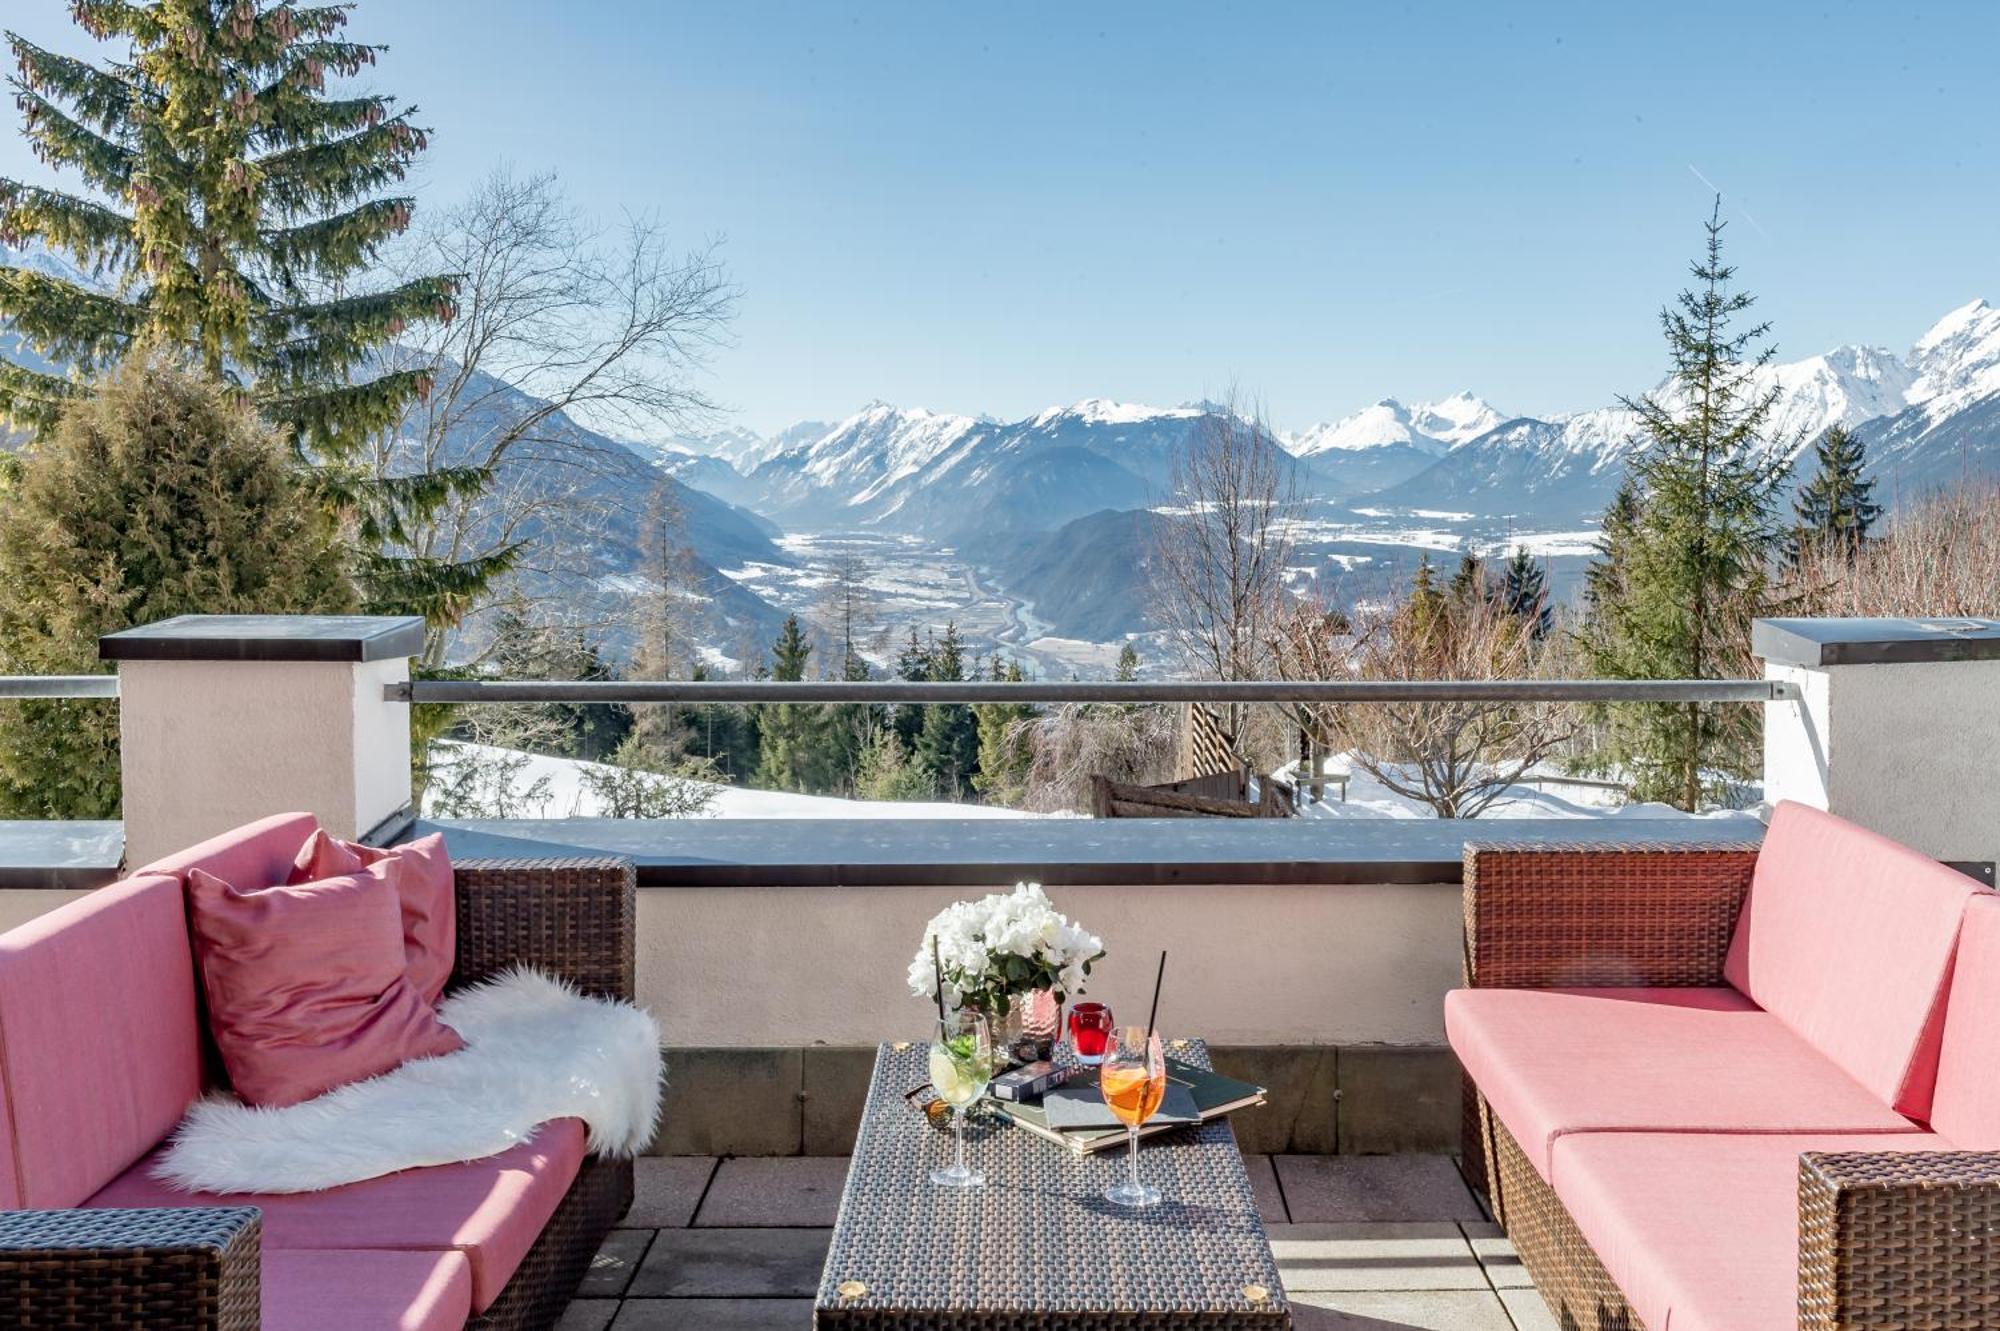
306,986
422,874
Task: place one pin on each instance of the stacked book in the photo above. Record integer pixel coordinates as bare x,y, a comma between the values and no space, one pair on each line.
1074,1113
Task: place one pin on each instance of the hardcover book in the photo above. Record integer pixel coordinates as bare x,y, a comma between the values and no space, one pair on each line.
1079,1119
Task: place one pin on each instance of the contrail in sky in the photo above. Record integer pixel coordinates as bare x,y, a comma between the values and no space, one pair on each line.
1739,207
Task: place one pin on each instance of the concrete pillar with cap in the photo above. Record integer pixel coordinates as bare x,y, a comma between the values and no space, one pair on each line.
1897,728
227,718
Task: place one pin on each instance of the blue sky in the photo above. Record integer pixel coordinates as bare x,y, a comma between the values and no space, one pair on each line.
995,208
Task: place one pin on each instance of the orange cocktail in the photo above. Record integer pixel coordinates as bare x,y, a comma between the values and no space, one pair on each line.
1133,1080
1133,1093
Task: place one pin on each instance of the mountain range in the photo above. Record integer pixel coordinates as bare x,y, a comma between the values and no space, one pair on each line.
1929,417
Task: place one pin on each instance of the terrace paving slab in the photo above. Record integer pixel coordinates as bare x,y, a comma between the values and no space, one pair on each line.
588,1315
1496,1253
1337,1189
782,1192
732,1264
611,1269
666,1190
715,1315
1432,1255
1427,1310
1264,1184
1528,1310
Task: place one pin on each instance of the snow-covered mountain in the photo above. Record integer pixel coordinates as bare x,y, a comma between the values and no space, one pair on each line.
965,478
1428,427
1930,417
1559,471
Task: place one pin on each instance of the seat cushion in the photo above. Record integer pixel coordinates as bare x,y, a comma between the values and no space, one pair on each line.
1848,938
422,873
306,983
99,1039
355,1290
1701,1230
1559,1061
1966,1107
491,1210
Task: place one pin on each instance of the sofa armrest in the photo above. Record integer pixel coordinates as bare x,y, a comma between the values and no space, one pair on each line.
1893,1240
1542,916
571,918
183,1268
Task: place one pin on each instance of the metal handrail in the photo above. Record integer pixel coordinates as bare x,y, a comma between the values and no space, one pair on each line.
642,692
58,686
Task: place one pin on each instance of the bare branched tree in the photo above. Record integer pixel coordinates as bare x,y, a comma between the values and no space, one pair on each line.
1456,757
1219,568
559,324
1940,557
1074,742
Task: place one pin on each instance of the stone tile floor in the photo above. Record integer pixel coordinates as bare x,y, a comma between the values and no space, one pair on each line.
1365,1243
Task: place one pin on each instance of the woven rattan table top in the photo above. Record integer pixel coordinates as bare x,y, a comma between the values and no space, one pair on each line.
1038,1248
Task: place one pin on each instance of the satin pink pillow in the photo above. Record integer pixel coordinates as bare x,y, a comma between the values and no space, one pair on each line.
306,985
422,874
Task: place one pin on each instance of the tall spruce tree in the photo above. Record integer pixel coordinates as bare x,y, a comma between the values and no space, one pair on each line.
1524,590
1695,561
1006,745
1835,508
791,736
233,206
948,739
1604,579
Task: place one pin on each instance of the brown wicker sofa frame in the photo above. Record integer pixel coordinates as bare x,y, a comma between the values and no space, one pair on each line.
1886,1241
197,1269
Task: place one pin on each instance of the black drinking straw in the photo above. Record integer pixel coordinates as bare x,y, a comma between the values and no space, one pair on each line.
937,965
1154,1014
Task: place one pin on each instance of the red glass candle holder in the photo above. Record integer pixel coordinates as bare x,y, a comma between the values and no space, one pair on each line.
1090,1028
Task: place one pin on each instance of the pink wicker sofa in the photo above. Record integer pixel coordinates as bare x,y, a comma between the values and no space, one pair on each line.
101,1051
1738,1089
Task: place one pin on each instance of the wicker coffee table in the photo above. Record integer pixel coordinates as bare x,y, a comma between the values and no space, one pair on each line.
1038,1248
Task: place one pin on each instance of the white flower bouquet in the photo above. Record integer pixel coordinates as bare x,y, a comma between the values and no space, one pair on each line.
1000,947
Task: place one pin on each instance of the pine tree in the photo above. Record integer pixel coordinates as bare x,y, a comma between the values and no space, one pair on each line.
1604,579
1695,561
233,207
790,735
947,744
1835,508
1128,664
888,774
1425,611
154,495
1524,590
1469,583
1006,744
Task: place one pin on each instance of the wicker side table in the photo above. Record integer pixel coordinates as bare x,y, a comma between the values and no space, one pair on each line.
1038,1248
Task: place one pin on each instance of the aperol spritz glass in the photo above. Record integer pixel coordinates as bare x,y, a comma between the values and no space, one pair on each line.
1133,1078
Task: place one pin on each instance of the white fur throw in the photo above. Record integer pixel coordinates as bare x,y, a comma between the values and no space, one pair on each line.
535,1049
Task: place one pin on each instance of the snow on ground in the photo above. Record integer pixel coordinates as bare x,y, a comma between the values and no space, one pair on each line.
568,797
1544,793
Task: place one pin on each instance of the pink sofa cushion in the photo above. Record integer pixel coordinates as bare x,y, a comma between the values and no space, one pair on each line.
491,1210
313,1290
258,854
422,874
305,984
1847,937
1558,1061
1967,1105
1700,1231
99,1041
